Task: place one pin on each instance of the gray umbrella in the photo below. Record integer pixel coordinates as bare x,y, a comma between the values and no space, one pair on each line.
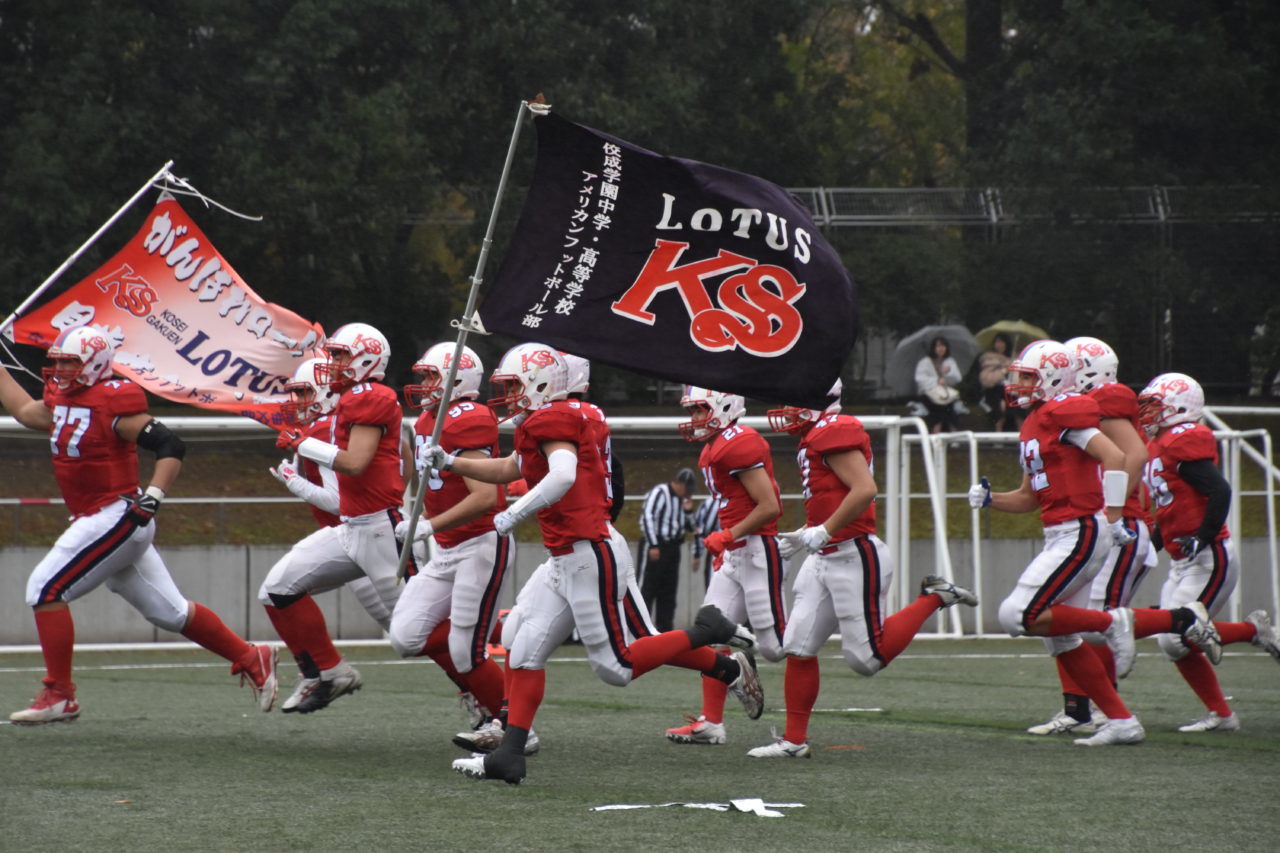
900,375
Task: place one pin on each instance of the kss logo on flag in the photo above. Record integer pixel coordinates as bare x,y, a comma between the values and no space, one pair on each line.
673,268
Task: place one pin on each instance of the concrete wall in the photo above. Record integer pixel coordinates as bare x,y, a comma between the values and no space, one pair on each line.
226,579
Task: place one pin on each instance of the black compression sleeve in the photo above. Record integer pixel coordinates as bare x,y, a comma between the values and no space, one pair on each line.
1204,477
157,438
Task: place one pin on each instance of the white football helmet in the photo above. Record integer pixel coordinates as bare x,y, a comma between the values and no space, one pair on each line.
1168,400
794,419
710,412
528,376
357,352
81,357
308,399
1097,364
579,373
433,368
1041,371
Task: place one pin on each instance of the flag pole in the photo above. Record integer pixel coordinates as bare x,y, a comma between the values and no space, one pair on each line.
468,323
7,326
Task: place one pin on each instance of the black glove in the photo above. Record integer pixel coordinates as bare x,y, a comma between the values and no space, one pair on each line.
1191,545
143,507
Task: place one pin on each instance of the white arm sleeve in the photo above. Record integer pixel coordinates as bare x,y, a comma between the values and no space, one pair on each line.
1115,487
1080,437
323,496
562,471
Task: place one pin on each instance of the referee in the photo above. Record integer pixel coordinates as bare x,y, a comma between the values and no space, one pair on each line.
666,516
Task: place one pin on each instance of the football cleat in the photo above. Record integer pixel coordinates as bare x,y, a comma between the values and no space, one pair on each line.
258,670
1202,634
1119,637
721,630
304,688
507,766
781,748
947,591
1264,636
51,705
1115,732
1063,723
1211,722
487,737
343,679
698,730
747,686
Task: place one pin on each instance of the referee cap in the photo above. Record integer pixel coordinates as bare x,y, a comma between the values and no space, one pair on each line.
688,478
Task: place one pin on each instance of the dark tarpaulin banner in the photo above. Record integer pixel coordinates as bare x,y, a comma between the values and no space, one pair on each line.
673,268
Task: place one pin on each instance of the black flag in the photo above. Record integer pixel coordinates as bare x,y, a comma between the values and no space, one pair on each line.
673,268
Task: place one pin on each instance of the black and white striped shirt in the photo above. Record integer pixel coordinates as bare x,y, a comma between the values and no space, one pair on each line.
663,518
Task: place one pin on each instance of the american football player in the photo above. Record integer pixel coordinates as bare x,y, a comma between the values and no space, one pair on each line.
1061,449
448,609
1191,500
747,586
310,407
364,449
96,423
844,581
1127,562
581,584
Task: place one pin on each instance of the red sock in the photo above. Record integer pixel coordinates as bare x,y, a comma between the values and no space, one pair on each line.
901,628
525,695
57,633
1148,621
648,653
1087,671
800,690
714,692
702,659
1065,619
1068,683
301,625
486,685
1104,654
204,627
437,648
1236,632
1198,672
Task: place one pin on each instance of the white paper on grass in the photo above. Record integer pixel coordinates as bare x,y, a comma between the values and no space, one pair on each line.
749,805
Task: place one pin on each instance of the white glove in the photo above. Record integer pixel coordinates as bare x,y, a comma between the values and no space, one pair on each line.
1121,535
815,538
287,474
980,494
420,532
435,456
807,539
504,522
789,544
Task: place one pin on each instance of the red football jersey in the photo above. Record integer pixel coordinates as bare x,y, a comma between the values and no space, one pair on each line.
1119,401
736,449
580,514
823,489
1179,506
468,425
92,465
1067,481
604,445
381,486
322,429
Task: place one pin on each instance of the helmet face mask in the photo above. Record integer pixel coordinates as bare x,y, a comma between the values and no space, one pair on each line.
432,370
309,399
797,420
80,358
1043,370
1168,400
529,376
356,352
710,412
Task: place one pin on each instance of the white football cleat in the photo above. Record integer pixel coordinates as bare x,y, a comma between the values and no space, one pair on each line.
747,686
1211,722
471,707
258,670
338,681
1115,732
950,593
304,688
781,748
1063,723
1119,637
506,766
1264,633
698,730
488,737
1202,634
49,706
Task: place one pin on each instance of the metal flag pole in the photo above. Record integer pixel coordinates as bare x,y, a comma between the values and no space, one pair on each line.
6,328
468,323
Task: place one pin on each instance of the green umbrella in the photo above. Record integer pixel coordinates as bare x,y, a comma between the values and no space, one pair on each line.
1019,331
